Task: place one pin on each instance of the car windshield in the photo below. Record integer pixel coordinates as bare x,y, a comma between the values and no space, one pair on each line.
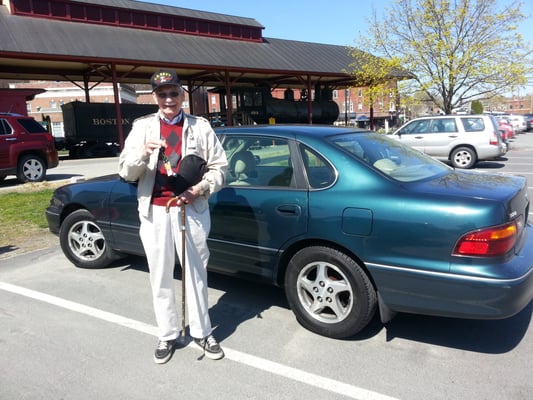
392,158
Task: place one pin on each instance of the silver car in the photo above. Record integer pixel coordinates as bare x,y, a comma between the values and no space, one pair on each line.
461,140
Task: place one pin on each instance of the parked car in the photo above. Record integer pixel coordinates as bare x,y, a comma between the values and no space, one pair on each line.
346,220
461,140
518,122
529,122
27,149
506,130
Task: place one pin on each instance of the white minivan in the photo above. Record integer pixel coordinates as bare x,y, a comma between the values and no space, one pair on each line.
461,140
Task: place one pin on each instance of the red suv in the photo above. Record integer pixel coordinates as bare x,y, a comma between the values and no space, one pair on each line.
27,149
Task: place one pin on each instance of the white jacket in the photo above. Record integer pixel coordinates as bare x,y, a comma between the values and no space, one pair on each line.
198,138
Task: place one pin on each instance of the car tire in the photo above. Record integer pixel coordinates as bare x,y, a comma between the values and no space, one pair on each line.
329,292
463,157
83,242
31,168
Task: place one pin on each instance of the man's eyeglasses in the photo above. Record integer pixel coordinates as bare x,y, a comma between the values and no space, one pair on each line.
166,95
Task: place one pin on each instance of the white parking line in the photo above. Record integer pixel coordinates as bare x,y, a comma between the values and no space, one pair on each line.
272,367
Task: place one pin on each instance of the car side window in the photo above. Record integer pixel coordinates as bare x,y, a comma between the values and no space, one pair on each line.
319,173
421,126
258,161
5,128
473,124
444,125
31,126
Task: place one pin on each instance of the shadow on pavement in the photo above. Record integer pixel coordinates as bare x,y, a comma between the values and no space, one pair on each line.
242,300
482,336
245,300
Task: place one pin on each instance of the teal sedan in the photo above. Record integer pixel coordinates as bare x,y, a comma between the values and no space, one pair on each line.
347,221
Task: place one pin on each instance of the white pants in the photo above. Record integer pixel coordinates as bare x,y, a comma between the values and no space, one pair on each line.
161,237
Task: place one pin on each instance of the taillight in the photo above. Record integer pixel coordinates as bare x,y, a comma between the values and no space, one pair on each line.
494,139
489,242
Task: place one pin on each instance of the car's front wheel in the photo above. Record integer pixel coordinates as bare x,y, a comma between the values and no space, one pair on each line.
329,292
463,157
83,242
31,169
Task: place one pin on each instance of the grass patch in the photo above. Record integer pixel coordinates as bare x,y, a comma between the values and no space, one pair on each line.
22,213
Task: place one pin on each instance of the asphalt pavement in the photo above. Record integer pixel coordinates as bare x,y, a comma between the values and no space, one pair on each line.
71,171
69,333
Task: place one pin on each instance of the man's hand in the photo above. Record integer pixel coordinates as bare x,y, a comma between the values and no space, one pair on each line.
152,145
188,196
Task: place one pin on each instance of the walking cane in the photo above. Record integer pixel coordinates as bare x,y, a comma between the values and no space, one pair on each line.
183,306
183,271
191,170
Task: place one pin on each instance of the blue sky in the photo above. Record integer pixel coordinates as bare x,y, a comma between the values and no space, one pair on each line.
338,22
331,22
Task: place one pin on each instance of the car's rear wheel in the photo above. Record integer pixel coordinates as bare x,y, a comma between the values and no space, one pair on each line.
83,242
329,292
31,168
463,157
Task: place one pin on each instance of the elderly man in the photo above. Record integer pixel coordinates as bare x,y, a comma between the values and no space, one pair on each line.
152,155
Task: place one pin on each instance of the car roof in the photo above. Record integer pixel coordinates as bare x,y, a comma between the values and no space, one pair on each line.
288,130
450,116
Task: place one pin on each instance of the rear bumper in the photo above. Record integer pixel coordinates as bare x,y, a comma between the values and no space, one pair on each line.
52,160
489,152
460,295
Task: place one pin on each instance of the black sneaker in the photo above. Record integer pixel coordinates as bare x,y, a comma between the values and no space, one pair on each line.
210,347
164,351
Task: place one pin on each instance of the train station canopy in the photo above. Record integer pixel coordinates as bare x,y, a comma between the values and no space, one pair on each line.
126,41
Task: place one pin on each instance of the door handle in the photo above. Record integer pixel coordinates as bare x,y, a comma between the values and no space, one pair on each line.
289,209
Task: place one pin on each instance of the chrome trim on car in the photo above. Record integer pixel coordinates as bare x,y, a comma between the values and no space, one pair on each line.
447,275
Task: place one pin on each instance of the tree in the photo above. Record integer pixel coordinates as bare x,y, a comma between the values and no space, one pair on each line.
377,75
457,50
476,107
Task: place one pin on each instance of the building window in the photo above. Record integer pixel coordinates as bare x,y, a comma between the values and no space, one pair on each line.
359,106
360,92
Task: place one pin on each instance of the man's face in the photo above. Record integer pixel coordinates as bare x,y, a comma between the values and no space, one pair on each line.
169,99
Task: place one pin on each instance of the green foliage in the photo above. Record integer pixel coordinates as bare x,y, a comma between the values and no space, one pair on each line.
377,75
476,107
457,51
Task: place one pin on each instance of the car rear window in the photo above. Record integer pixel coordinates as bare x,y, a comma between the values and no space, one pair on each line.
473,124
390,157
31,126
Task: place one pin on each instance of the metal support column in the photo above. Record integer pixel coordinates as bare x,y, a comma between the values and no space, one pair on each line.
229,102
117,106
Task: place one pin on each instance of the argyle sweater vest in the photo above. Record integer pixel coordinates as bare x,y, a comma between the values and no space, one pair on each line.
168,156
